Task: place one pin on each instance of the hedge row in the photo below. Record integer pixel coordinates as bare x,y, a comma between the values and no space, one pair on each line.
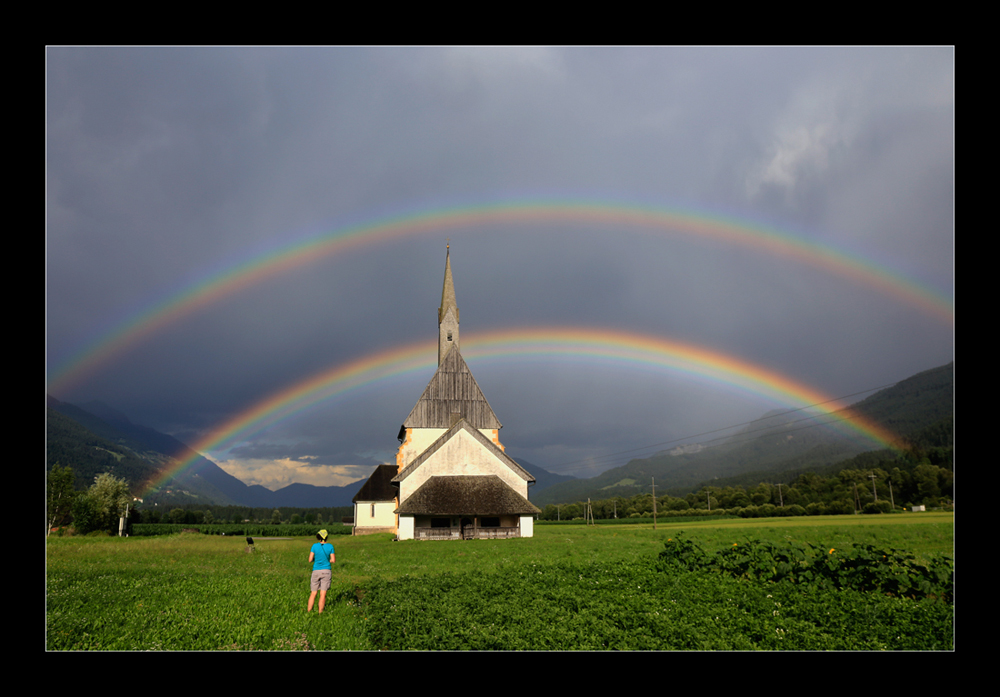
239,529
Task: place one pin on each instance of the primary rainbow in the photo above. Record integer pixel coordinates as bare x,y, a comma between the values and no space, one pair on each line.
730,230
637,350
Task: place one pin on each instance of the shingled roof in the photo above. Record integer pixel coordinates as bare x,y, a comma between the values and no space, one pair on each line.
466,495
379,486
451,394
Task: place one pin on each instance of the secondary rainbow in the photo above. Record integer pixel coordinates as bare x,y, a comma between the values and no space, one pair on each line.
640,351
235,278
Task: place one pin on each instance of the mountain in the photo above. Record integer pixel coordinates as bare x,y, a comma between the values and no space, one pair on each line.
543,478
99,439
778,442
94,437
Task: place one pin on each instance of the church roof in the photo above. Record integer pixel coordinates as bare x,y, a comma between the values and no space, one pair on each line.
466,495
452,394
379,485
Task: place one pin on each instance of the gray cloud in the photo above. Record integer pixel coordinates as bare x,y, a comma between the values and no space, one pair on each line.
166,166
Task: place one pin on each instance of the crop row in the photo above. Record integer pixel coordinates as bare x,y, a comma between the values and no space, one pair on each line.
862,566
640,606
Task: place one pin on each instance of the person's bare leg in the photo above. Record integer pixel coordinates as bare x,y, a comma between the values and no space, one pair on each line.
322,600
312,597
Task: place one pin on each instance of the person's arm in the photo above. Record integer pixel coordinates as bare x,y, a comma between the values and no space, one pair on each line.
333,558
312,557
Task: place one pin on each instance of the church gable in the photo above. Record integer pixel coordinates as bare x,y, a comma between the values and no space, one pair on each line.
452,394
462,449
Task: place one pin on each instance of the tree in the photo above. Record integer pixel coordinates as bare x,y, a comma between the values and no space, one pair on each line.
86,513
59,506
926,478
111,497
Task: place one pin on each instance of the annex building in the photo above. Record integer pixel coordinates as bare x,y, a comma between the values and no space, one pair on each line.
452,479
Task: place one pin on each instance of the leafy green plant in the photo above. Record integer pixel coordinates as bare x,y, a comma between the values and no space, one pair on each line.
862,567
684,553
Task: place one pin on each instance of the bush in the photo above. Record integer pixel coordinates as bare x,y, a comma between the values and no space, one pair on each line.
877,507
682,552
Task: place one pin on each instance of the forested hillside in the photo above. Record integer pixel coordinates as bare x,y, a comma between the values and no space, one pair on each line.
778,444
872,482
70,444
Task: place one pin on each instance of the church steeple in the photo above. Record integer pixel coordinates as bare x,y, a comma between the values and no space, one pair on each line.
448,312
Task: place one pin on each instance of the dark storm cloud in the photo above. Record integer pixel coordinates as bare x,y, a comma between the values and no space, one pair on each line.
166,166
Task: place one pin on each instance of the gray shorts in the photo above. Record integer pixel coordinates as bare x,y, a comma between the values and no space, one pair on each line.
321,580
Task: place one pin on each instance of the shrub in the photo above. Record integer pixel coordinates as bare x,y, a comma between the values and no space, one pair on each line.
877,507
682,552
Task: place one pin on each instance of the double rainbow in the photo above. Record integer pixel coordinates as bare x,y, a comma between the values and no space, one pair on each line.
644,352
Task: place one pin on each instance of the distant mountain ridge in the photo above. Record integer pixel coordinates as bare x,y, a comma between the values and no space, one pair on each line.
95,438
777,442
201,482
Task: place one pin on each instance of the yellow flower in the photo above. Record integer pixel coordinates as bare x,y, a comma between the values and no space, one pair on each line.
831,550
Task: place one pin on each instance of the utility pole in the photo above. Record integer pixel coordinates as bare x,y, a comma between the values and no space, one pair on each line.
121,522
891,499
781,499
872,477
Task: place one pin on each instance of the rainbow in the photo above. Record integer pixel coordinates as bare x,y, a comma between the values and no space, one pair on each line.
644,352
345,239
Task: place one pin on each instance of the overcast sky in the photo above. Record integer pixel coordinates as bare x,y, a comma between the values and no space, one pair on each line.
167,167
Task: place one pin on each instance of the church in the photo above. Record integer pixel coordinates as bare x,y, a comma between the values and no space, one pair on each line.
452,479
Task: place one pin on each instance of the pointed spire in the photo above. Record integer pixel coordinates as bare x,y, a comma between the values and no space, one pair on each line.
448,312
448,292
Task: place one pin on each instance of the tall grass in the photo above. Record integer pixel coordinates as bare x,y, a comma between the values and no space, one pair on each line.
198,592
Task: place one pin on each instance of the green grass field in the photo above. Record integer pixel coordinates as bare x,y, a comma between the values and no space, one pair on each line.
195,592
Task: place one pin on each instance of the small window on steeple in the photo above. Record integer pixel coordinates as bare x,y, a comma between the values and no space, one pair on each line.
449,336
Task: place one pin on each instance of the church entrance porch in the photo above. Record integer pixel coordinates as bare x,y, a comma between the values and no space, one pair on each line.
465,528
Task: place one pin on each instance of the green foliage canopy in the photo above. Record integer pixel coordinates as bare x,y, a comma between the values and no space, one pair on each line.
60,496
101,506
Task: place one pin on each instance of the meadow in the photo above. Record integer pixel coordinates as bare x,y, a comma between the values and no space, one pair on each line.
567,588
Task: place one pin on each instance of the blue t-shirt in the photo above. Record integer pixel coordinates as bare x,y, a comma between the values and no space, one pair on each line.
321,555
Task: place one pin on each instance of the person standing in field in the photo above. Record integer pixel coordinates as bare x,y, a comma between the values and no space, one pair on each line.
322,557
